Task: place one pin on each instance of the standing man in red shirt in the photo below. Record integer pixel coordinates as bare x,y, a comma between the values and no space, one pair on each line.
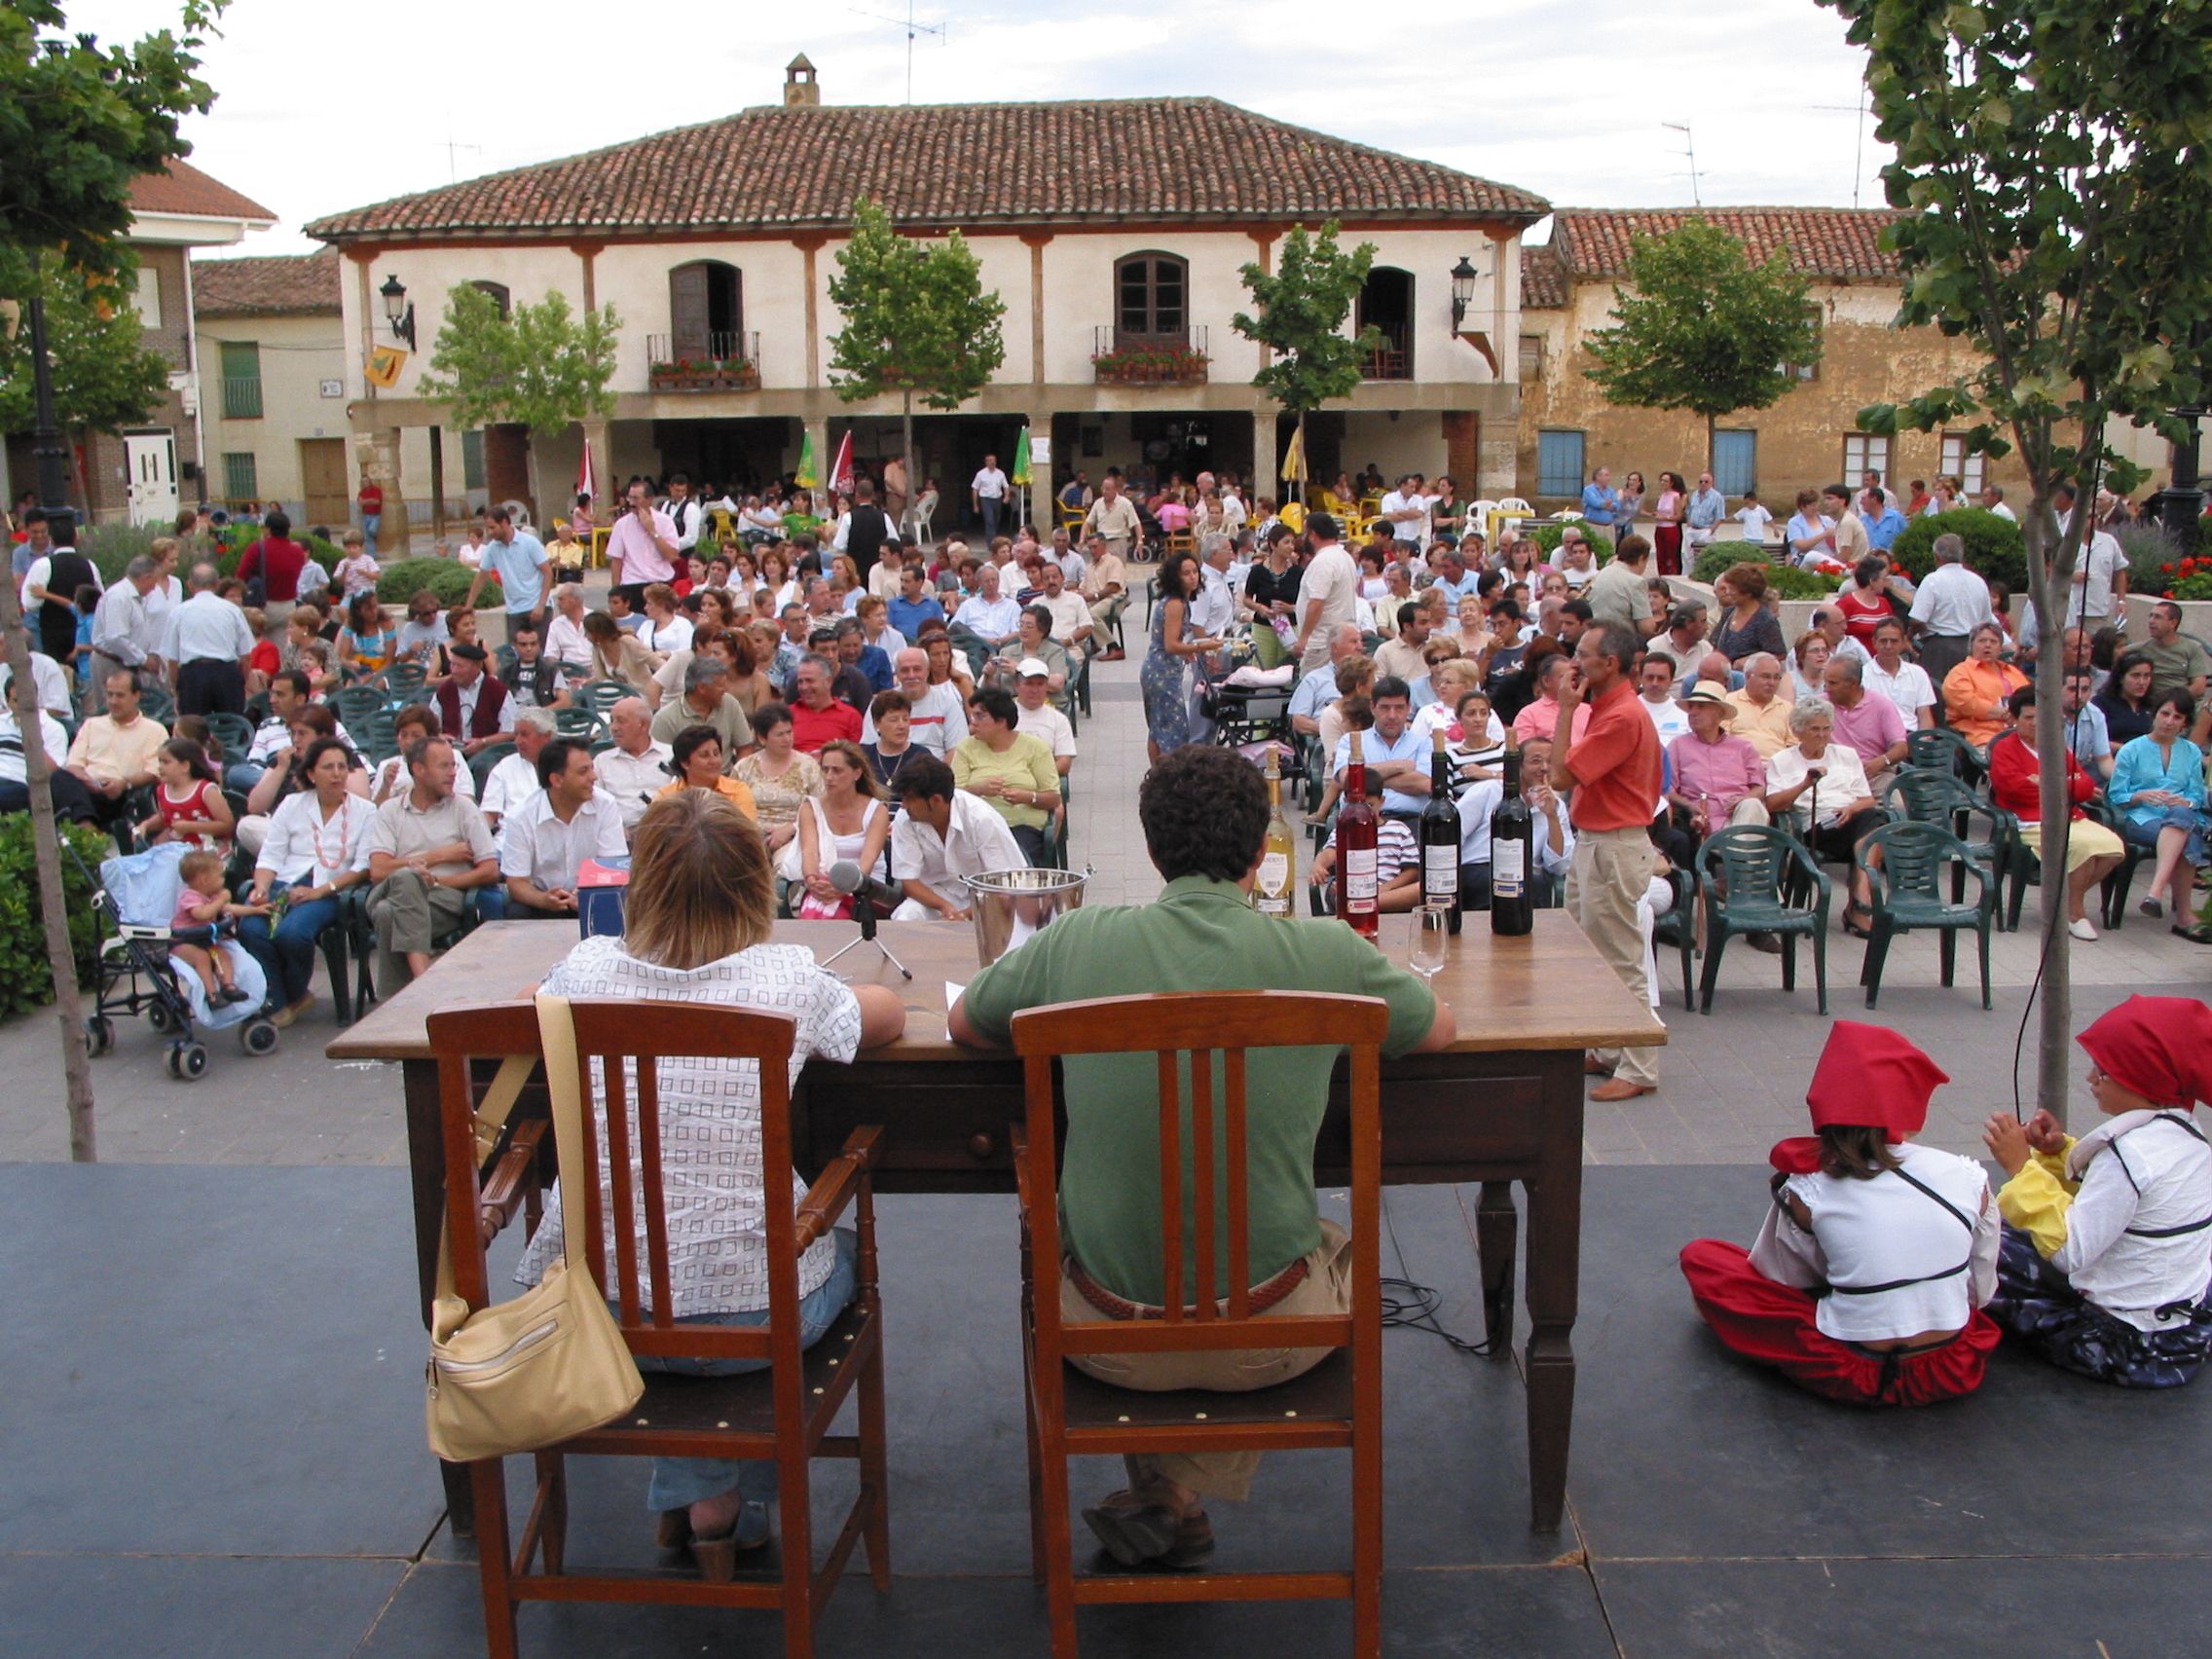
371,503
1612,771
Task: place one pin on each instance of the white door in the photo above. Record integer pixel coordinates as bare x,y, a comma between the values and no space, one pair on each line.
150,458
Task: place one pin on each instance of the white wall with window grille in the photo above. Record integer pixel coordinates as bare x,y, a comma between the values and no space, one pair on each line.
1864,453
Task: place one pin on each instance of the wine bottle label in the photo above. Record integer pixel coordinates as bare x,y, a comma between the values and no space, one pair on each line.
1440,871
1359,878
1275,873
1508,869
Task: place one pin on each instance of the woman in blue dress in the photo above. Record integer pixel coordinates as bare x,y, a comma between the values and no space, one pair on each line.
1166,702
2157,787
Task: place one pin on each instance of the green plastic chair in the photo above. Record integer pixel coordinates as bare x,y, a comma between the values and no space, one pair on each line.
1742,873
406,682
1919,796
2113,895
1908,896
1677,925
155,702
585,725
234,732
601,695
356,706
1940,749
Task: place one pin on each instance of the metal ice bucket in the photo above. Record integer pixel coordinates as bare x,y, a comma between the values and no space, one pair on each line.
1009,906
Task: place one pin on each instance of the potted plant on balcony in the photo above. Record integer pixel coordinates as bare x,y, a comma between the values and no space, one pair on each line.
1149,365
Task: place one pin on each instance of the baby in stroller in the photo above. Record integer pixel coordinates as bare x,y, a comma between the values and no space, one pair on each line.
204,902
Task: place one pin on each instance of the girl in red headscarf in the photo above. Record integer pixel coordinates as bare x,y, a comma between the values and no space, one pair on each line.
2107,1257
1869,1273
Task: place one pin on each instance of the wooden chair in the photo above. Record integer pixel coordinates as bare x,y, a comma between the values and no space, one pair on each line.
783,1412
1336,1403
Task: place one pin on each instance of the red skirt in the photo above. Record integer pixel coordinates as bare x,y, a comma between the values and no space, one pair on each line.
1667,549
1773,1325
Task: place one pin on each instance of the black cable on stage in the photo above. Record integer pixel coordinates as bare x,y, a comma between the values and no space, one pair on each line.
1407,1302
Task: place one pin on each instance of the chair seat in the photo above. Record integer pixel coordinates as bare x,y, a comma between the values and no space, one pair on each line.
744,1404
1919,914
1323,1394
1759,915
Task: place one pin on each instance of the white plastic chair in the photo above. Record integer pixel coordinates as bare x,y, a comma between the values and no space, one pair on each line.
917,520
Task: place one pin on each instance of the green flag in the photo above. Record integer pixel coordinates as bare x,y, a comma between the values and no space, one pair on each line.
1021,459
804,476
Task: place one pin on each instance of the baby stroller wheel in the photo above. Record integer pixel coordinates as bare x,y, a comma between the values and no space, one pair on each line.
188,1061
158,1015
99,1034
257,1037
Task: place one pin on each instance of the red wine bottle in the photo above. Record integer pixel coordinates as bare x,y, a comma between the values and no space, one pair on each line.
1440,838
1512,849
1358,826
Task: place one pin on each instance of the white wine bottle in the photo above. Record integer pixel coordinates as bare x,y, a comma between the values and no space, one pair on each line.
1278,882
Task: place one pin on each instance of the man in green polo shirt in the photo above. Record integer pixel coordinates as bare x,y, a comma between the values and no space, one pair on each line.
1205,812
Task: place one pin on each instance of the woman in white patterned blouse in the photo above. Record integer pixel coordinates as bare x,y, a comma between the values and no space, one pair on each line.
697,918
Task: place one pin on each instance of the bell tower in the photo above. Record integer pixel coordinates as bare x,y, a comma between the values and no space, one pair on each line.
799,85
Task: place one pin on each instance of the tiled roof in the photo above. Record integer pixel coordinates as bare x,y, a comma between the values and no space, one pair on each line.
952,166
184,189
1820,242
1543,280
301,284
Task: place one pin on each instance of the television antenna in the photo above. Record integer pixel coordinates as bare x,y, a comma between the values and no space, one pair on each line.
452,148
941,32
1859,153
1689,149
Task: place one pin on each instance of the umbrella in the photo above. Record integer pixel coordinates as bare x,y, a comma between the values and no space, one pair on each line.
1294,458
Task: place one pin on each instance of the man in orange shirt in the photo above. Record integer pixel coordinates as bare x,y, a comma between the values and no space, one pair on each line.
1611,769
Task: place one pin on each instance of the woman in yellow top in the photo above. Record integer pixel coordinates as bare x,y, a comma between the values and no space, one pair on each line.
1008,768
697,757
1977,693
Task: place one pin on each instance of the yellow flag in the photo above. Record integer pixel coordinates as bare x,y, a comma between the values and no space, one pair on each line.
1294,458
384,366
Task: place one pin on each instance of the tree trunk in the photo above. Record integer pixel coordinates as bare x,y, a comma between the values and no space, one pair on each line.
1711,461
906,447
2050,572
46,852
537,518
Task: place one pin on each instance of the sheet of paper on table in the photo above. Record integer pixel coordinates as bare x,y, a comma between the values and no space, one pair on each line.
951,994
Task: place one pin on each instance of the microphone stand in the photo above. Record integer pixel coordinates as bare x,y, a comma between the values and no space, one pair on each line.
863,913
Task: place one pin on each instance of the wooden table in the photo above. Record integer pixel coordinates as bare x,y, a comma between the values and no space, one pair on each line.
1502,1104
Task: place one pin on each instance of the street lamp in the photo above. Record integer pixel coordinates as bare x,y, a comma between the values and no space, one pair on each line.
398,313
1463,277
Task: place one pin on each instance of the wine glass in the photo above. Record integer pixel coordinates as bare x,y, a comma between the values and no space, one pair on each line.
1432,939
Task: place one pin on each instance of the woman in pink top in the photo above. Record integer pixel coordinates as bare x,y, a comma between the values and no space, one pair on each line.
1667,540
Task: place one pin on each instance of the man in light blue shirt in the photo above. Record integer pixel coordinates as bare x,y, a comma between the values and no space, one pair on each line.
518,560
914,605
2087,738
1317,689
1391,748
1599,499
993,619
1453,575
1707,507
1885,525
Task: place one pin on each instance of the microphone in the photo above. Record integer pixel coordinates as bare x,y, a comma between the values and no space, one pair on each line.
846,877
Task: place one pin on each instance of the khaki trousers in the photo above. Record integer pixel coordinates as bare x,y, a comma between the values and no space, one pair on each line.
1325,1289
408,913
1612,869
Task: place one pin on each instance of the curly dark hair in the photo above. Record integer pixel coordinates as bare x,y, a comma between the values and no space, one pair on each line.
1205,812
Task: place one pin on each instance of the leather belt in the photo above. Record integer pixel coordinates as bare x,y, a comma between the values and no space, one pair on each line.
1263,1296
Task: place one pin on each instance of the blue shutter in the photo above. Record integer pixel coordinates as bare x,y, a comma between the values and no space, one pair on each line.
1735,461
1558,464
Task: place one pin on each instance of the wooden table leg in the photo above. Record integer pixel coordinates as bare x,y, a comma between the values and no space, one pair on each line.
1555,1249
1497,1222
426,1174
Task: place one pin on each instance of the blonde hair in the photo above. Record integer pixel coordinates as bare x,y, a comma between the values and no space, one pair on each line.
863,782
162,546
701,882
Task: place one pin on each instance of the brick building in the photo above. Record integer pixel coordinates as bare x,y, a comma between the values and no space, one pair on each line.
1808,438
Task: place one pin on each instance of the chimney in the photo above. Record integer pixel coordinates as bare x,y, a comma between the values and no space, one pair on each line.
799,88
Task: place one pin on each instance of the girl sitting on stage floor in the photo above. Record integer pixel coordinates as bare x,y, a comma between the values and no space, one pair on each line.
1870,1272
2107,1249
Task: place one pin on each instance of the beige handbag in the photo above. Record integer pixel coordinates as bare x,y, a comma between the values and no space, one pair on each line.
552,1363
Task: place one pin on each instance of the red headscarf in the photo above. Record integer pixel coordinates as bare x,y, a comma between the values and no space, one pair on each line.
1867,1077
2159,1046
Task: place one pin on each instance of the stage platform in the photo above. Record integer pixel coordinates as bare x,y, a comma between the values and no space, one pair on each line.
210,1405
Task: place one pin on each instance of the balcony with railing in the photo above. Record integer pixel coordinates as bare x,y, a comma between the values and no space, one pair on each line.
1390,360
1120,358
712,362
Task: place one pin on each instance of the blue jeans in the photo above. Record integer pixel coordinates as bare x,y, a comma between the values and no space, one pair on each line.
678,1482
241,776
2145,833
288,958
369,522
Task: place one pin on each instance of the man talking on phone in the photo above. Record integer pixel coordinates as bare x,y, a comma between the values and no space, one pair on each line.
1611,775
641,547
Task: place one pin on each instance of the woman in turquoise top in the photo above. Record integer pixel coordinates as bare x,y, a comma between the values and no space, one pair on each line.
2158,786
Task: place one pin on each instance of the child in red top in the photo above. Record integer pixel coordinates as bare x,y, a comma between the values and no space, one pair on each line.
188,803
262,662
204,902
2015,784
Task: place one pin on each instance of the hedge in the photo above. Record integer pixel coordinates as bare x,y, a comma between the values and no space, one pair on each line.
112,546
447,579
1995,548
25,980
1786,581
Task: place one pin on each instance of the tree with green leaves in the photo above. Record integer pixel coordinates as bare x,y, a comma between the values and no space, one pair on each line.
917,321
106,377
1298,317
2054,175
541,367
1698,326
79,122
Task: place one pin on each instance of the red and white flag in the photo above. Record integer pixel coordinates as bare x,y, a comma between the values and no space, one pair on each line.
584,484
841,470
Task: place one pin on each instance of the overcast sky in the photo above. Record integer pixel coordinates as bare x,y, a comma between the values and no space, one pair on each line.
325,107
